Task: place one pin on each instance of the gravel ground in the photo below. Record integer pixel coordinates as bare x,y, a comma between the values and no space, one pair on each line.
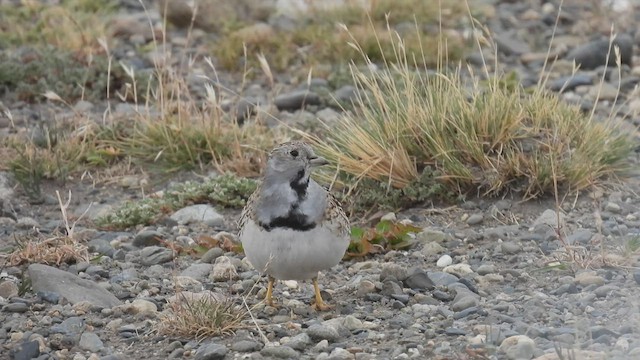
480,283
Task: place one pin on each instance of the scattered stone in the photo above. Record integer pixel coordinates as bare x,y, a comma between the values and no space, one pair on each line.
508,44
45,278
442,278
296,100
8,289
432,249
154,255
549,218
475,219
147,238
580,236
323,332
518,347
431,235
587,278
612,207
198,271
444,261
90,342
26,351
419,280
510,247
299,342
568,83
459,270
596,53
279,352
200,213
223,270
463,302
211,255
346,95
211,351
246,346
17,307
485,269
395,271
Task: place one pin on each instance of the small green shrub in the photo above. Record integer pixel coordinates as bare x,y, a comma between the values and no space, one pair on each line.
225,190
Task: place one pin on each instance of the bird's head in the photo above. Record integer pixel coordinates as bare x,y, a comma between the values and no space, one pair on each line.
292,162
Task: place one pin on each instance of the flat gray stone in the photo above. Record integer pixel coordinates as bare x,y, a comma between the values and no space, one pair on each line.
296,100
279,352
197,271
154,255
323,332
45,278
200,213
211,351
91,342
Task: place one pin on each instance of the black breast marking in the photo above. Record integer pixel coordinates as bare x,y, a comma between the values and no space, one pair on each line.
293,220
300,186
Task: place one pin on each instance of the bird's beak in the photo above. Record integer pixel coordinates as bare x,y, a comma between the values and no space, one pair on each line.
317,161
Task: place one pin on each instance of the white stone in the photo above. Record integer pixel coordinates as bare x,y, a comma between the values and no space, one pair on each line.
444,261
459,270
518,347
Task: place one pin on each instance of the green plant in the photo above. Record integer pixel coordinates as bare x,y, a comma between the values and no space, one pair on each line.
225,190
372,194
386,235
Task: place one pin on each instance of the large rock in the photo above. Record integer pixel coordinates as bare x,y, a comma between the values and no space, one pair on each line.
69,286
595,53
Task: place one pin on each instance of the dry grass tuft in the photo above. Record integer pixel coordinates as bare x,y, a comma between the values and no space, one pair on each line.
487,136
56,250
200,316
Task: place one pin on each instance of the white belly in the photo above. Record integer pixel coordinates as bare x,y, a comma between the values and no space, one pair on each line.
292,255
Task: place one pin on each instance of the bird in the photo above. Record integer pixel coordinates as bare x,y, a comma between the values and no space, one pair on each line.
291,227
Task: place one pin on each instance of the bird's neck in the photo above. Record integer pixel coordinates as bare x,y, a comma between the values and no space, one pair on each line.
285,202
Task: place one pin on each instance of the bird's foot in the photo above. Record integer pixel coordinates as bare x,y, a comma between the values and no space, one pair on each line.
321,306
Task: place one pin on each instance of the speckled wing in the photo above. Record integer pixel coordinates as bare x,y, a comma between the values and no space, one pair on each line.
248,211
335,217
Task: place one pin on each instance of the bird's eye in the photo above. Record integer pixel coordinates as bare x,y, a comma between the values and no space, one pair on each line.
294,153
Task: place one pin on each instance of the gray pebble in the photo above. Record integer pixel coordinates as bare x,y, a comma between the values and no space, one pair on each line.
299,342
17,307
211,255
580,236
323,332
296,100
485,269
211,351
280,352
246,346
475,219
147,238
91,342
419,280
440,278
26,351
153,255
463,302
595,53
